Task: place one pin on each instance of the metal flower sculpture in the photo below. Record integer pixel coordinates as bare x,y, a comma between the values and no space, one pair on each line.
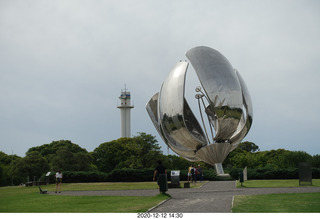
224,98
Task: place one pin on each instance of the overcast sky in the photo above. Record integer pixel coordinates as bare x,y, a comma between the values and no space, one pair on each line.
63,65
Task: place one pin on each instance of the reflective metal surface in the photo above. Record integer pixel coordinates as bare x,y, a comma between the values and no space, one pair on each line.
226,102
246,121
222,87
177,120
152,109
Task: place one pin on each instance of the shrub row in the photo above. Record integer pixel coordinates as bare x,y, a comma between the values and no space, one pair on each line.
273,173
142,175
117,175
122,175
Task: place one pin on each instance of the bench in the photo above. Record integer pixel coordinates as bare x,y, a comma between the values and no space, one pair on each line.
43,191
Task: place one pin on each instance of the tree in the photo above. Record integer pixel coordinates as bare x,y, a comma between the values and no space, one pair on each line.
36,163
5,161
19,171
33,165
63,160
64,155
248,159
248,146
110,155
138,152
239,156
52,148
293,158
175,162
316,161
148,149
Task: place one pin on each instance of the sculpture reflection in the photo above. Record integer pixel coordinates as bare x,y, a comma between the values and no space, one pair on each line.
223,98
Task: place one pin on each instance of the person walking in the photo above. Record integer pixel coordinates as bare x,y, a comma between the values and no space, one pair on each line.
160,169
193,174
196,174
160,173
200,174
58,181
190,174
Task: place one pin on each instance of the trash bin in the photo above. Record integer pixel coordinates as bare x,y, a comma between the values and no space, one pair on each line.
162,182
175,177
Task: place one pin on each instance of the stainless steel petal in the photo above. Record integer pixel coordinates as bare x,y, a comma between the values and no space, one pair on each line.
188,155
192,124
152,109
229,109
246,123
175,115
214,153
222,87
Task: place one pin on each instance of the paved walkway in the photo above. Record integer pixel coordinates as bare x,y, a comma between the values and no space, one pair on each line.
212,197
217,196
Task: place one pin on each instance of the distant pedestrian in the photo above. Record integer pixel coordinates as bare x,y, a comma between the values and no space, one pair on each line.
200,173
58,181
193,173
196,173
189,174
160,169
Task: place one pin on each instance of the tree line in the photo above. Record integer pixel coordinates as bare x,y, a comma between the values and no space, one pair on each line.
139,152
247,154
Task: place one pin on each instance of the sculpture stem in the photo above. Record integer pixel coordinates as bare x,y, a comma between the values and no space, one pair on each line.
219,169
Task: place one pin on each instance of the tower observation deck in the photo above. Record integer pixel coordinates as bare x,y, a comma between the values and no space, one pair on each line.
125,113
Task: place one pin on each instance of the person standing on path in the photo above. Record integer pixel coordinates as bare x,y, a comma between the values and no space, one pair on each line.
200,173
159,170
193,174
58,181
189,174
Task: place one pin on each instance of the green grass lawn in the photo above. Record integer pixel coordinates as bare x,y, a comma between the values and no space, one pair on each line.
113,186
277,203
274,183
27,199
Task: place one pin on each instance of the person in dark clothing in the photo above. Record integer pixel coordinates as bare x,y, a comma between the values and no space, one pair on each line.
200,173
160,169
160,173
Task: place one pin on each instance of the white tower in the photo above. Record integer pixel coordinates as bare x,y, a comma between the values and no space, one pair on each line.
125,108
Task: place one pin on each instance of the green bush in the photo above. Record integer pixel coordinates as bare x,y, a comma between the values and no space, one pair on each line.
143,175
269,172
210,174
273,173
80,176
122,175
234,173
130,175
316,173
